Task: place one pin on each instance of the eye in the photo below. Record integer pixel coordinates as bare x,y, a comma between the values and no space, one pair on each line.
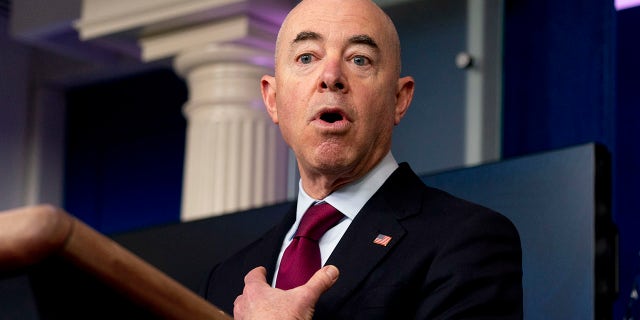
305,58
361,60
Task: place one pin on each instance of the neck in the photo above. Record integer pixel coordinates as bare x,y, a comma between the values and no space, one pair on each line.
320,186
318,183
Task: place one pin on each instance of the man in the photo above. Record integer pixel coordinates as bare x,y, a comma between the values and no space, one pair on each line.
403,250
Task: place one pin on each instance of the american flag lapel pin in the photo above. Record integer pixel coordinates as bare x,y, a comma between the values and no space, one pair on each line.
382,239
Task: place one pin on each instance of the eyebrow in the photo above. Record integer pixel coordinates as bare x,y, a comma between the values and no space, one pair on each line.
357,39
364,39
306,35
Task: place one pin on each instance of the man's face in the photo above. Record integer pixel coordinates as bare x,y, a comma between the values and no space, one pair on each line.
336,95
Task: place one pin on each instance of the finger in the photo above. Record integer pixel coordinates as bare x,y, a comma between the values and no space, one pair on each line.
258,274
322,280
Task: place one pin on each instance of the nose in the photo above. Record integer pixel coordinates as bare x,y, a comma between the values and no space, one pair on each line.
333,77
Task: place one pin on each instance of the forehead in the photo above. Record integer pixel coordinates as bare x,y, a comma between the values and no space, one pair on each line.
335,21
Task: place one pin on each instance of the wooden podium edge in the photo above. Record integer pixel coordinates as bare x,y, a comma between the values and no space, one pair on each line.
29,235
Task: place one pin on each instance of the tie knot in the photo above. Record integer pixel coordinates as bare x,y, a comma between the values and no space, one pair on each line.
317,220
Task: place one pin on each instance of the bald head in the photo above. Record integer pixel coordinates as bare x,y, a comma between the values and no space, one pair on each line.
337,92
373,22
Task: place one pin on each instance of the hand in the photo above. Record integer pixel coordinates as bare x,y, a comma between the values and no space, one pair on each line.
259,301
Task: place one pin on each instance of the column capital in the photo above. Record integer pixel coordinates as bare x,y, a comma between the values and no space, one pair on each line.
161,29
211,53
241,30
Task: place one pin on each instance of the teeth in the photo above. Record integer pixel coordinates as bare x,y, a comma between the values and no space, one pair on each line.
331,117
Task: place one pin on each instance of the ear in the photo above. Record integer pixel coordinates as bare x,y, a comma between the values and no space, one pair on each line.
268,89
404,95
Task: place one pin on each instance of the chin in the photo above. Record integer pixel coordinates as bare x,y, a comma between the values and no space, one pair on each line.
333,165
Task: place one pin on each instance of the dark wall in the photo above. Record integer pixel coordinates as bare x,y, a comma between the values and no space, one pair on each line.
558,74
570,76
124,151
627,164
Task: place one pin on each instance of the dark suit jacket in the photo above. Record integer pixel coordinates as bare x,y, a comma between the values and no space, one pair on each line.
447,259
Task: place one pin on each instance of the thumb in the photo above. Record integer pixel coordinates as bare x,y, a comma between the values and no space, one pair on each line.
322,280
258,274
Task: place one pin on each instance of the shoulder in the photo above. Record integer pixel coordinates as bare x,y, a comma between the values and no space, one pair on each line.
443,216
442,204
455,220
406,190
474,252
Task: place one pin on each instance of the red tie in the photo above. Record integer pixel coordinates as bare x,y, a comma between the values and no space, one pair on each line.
301,259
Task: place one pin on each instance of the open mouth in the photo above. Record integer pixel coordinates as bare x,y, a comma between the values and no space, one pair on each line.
331,117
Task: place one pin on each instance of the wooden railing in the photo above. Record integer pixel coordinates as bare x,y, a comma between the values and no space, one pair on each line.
30,235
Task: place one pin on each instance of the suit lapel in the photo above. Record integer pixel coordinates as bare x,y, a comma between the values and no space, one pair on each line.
267,249
356,254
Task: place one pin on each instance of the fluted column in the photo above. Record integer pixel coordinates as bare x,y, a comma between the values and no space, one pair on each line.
235,158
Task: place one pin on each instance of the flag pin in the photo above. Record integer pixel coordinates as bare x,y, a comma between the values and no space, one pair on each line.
382,240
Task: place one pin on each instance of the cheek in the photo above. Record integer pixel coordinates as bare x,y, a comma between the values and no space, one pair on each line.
378,107
288,111
292,104
288,121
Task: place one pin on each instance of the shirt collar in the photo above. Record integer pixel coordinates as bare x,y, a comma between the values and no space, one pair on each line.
352,197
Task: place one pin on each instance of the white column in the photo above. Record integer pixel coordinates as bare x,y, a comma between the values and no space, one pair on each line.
235,158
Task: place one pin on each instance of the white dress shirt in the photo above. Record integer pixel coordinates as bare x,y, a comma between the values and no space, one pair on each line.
348,200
